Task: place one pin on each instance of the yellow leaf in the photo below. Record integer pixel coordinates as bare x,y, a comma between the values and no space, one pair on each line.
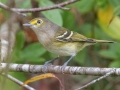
43,76
109,25
113,30
105,15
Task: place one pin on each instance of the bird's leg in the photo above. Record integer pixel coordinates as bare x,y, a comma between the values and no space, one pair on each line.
47,63
65,64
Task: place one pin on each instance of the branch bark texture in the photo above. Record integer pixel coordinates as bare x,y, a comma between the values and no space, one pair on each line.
57,69
96,80
3,6
56,6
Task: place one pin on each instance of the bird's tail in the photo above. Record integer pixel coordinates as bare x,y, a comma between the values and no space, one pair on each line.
103,41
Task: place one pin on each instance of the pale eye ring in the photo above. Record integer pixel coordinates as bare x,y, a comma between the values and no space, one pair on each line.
39,22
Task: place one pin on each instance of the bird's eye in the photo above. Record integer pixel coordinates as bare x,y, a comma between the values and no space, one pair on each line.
39,21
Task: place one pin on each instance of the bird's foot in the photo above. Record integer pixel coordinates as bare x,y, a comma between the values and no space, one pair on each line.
47,64
63,67
44,69
65,64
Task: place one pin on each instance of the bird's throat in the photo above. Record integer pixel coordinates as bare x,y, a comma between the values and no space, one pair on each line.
45,39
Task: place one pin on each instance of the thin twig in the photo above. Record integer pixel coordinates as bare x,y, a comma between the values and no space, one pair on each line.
17,81
56,6
57,69
9,9
96,80
23,11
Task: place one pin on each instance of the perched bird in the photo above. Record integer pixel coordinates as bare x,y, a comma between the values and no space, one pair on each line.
59,40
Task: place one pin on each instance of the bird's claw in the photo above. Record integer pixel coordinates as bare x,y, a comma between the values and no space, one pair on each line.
44,69
63,67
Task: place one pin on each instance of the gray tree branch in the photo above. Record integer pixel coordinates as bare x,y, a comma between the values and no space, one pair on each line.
17,81
96,80
9,9
57,69
56,6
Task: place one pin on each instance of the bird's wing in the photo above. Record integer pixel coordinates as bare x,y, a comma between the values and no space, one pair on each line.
70,36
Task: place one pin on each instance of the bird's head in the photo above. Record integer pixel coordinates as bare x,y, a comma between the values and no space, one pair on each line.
41,24
36,23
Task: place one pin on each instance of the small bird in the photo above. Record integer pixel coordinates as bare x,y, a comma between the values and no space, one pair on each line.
59,40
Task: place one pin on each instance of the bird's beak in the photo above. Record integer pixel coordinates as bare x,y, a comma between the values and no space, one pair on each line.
27,24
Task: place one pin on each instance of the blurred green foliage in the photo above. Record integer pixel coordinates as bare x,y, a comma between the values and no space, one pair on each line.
53,15
88,17
28,54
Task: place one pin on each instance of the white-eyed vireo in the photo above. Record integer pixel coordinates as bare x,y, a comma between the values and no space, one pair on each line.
60,40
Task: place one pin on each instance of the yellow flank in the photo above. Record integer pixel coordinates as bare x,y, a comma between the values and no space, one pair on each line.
66,48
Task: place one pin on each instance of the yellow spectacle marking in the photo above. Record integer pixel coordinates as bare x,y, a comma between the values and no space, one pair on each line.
34,21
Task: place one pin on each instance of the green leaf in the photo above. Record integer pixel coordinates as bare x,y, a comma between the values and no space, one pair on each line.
3,1
115,63
32,51
52,55
108,54
80,57
19,75
87,29
16,55
114,28
115,48
69,16
40,60
85,6
24,4
18,46
114,3
20,40
116,11
52,15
